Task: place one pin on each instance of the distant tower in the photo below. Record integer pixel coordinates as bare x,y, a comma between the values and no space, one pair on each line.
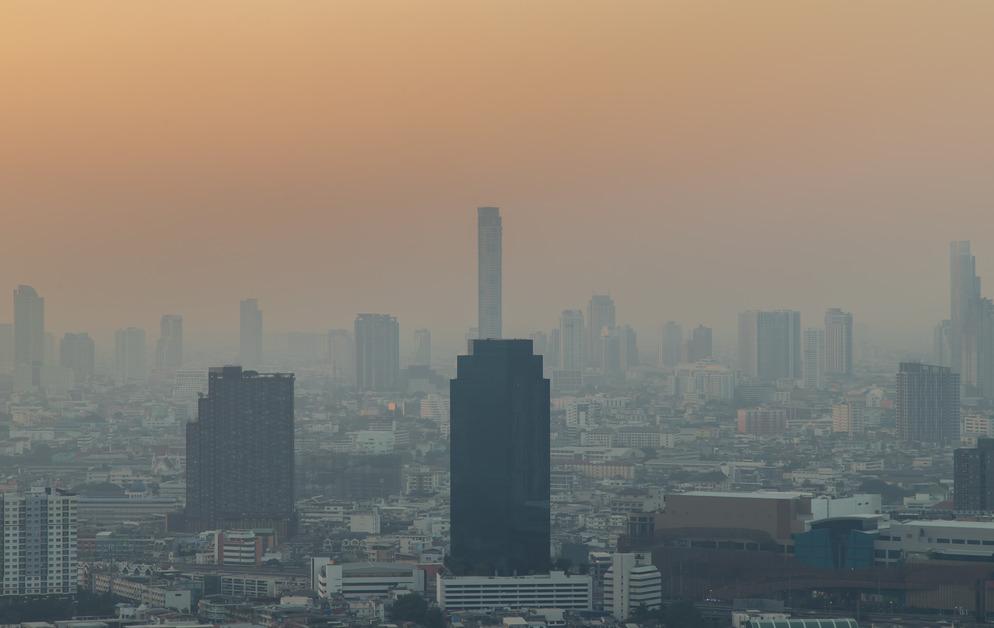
169,350
422,347
928,404
240,453
29,327
571,340
377,352
489,244
670,344
77,352
770,344
600,316
699,346
341,356
813,357
250,334
838,342
964,290
129,355
499,463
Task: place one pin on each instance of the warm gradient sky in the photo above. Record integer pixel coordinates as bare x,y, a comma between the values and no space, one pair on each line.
326,157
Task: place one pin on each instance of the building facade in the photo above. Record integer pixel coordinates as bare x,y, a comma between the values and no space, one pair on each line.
40,543
928,403
377,352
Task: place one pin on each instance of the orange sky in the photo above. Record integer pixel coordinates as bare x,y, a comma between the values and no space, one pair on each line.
326,157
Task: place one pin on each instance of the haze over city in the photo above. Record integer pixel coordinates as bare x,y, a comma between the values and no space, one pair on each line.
690,159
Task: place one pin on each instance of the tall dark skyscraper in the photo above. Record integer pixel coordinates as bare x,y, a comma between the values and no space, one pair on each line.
29,327
699,345
250,334
973,477
377,352
770,345
489,237
169,349
77,352
239,452
928,403
500,461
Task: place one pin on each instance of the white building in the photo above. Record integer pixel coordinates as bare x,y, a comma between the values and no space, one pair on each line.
630,582
479,593
361,581
39,543
705,381
913,541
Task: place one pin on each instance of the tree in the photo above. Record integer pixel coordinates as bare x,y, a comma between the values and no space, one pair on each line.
682,614
410,607
434,618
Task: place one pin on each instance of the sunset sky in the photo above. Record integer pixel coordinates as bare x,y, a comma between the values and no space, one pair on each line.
691,158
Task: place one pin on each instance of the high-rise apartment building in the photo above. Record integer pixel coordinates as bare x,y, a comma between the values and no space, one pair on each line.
600,317
422,347
770,344
377,352
632,582
973,477
928,403
699,345
240,453
619,350
571,336
77,352
848,418
341,356
499,462
40,547
29,327
489,232
250,334
813,358
169,349
129,356
838,342
670,344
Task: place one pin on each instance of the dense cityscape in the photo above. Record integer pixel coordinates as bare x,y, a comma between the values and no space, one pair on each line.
585,475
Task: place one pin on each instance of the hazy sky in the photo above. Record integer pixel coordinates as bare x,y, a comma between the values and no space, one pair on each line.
692,158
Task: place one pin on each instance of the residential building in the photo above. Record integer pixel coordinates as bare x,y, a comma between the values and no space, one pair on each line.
377,353
838,342
770,345
129,356
77,352
40,543
928,403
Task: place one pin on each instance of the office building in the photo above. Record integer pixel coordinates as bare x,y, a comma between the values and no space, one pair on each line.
341,356
422,347
973,477
813,356
838,342
770,345
250,334
499,462
600,316
699,345
670,345
29,327
40,543
927,404
377,352
632,582
240,453
77,352
129,356
169,349
489,234
487,593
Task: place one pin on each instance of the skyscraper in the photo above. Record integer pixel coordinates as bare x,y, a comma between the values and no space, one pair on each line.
341,356
699,346
129,356
377,352
250,334
240,453
169,350
964,289
838,342
813,358
499,461
422,347
670,344
927,403
600,316
571,334
77,352
29,327
770,344
39,549
973,477
941,343
489,234
619,350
